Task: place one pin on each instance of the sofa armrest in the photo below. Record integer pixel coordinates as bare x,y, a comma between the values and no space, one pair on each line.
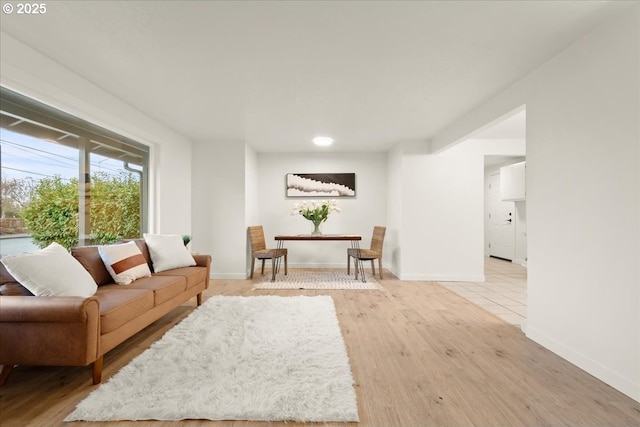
45,309
49,330
204,261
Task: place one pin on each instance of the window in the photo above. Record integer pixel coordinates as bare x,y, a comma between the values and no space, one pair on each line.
66,180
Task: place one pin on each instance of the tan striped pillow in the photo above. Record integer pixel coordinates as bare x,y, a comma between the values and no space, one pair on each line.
124,262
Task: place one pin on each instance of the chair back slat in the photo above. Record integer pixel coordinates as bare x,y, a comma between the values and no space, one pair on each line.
256,235
378,238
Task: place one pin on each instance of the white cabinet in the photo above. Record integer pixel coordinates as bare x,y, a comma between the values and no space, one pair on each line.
512,182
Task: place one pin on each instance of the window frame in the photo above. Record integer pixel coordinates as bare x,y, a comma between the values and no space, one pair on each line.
48,123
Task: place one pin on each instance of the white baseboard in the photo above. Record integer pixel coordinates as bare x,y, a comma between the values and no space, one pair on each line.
522,262
523,326
619,382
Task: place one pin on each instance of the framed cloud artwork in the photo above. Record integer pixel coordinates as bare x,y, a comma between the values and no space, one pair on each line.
321,184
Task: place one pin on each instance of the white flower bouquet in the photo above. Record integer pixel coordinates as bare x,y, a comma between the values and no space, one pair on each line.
315,211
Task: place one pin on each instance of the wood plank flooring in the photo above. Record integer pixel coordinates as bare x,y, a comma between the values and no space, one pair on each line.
421,356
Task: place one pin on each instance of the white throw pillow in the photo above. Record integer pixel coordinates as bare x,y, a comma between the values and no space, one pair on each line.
51,272
124,262
168,251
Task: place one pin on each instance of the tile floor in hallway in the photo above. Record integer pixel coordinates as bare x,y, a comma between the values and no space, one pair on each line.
503,293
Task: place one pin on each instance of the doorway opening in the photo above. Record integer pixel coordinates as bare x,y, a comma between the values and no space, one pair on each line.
505,218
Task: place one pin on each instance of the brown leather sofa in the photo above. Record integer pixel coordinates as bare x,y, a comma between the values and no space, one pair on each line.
76,331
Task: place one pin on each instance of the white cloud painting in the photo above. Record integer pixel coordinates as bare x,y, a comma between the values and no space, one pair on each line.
321,185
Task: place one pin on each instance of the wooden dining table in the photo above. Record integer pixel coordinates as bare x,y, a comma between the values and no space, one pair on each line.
353,238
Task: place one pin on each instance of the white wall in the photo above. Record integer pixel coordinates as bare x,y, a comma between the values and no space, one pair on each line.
30,73
442,202
252,207
584,210
235,187
219,205
442,219
521,233
359,215
583,199
393,234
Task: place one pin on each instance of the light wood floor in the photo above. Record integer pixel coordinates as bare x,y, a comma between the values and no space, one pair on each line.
421,356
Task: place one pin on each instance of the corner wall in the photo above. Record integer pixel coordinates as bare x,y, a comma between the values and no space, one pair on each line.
393,236
442,209
220,192
251,197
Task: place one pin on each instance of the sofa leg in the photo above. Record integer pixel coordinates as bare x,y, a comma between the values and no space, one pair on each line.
97,370
4,375
199,299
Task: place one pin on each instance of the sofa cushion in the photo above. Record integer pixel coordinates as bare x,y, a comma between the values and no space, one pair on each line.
14,288
52,271
194,275
143,248
9,285
90,259
168,252
120,305
164,287
124,262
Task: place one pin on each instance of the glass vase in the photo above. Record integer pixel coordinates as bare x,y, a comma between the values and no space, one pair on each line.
316,228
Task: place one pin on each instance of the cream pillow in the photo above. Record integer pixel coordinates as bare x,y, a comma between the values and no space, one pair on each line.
124,262
51,272
168,251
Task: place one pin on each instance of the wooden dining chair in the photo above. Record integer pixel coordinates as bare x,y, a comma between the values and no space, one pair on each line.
260,251
375,252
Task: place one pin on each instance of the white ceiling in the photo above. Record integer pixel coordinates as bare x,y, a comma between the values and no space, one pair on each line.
276,74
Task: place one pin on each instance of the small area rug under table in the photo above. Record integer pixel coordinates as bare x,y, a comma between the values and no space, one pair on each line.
313,279
261,358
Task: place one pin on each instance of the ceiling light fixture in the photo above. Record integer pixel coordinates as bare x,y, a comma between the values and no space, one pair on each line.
322,141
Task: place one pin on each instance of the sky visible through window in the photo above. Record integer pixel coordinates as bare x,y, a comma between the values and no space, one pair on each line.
24,156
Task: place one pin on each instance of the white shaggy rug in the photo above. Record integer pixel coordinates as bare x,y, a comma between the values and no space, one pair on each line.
317,280
262,358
